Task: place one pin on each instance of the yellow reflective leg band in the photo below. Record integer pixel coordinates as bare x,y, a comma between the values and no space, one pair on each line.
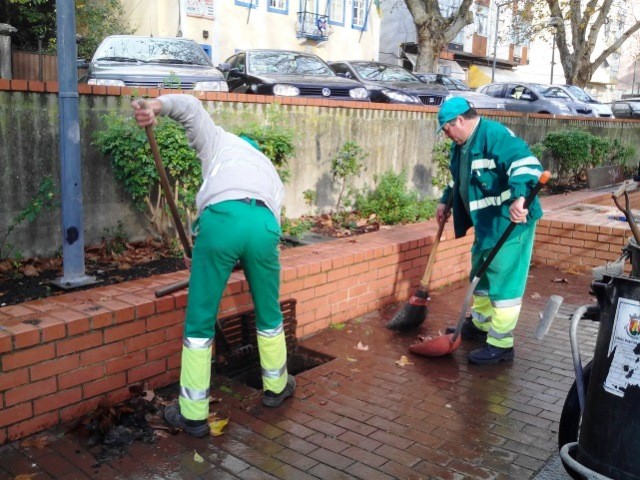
481,312
273,360
195,380
502,324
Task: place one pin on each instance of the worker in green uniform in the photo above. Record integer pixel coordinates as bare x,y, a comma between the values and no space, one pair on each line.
239,205
493,171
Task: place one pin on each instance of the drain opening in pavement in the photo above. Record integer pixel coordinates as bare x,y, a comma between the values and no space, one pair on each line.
236,347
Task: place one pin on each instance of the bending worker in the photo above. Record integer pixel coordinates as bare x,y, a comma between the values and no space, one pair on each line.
493,171
238,206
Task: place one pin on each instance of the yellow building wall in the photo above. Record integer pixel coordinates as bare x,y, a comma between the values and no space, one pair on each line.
236,27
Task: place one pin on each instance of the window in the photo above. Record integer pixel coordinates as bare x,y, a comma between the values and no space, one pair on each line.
336,12
247,3
359,12
278,6
482,21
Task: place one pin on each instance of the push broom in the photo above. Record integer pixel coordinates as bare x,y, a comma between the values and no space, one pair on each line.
414,312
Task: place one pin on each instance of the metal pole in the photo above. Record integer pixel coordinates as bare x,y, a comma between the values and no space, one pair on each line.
553,55
633,83
70,175
495,43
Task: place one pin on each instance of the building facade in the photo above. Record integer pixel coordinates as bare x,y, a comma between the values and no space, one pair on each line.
332,29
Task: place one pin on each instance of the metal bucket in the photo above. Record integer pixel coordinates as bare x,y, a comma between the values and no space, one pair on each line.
609,441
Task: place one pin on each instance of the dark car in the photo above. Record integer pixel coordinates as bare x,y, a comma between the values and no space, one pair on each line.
388,83
154,62
626,108
457,88
531,98
288,74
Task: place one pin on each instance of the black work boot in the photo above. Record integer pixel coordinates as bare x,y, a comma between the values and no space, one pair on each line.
490,355
469,331
271,399
196,428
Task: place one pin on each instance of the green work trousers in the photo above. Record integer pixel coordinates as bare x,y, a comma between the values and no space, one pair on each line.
227,232
497,298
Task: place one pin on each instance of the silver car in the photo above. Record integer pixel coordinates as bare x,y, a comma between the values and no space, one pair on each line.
601,109
530,98
457,88
153,62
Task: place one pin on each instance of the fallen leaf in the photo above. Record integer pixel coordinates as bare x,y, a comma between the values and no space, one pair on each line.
197,457
38,442
351,359
361,346
217,424
535,295
403,361
560,280
149,395
24,476
30,271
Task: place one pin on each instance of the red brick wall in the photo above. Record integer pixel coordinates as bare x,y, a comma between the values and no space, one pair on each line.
61,357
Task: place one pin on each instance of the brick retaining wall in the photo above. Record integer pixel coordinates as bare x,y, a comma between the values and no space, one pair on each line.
60,357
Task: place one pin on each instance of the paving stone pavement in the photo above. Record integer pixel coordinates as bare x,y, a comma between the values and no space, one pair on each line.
363,416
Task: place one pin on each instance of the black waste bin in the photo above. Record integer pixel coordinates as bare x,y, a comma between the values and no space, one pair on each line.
609,441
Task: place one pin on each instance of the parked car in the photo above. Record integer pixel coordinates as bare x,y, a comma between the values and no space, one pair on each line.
529,98
155,62
289,74
458,88
388,83
601,109
626,108
562,94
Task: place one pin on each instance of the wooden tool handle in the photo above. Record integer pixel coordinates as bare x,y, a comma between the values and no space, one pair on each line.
164,182
432,256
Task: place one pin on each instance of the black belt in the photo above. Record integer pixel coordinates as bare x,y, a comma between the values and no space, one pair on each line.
251,201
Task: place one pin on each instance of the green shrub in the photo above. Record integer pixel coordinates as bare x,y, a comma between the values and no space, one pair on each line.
575,150
43,200
134,167
441,158
391,202
348,162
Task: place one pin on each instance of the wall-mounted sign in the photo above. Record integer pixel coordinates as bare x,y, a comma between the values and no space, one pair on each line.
200,8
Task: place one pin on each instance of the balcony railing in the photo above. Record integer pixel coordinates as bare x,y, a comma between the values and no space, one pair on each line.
313,26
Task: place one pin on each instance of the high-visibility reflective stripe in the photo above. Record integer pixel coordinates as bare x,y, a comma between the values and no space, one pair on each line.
277,373
513,302
450,184
481,293
527,161
483,163
192,394
489,201
526,171
273,332
478,317
196,343
499,336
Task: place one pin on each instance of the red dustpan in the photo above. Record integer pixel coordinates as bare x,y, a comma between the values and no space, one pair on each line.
446,344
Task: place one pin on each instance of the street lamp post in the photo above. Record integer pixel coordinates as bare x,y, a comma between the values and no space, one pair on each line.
553,22
495,39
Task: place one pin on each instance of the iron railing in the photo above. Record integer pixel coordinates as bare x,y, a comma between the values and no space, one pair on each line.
313,26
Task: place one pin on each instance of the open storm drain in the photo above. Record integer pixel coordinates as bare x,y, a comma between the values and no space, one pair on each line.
237,354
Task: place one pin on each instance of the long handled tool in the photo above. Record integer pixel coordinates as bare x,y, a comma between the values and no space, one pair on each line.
446,344
414,312
168,194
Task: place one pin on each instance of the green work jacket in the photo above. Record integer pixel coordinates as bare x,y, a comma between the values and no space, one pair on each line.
502,168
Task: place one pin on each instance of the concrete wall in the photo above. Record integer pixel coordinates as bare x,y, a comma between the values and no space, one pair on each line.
396,137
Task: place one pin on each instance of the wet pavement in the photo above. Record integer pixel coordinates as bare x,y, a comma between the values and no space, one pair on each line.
362,415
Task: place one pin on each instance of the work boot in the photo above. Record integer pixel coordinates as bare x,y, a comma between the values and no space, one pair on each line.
469,331
490,355
271,399
196,428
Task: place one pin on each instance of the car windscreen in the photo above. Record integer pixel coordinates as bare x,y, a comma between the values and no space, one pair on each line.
151,50
554,92
287,63
579,93
635,106
384,73
457,85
